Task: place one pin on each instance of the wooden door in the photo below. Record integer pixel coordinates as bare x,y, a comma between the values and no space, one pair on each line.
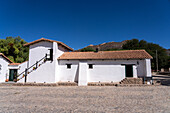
12,74
129,70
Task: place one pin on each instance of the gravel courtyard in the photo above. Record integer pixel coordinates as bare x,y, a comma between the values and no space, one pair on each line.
152,99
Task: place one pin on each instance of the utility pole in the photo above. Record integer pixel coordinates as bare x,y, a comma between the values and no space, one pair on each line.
156,61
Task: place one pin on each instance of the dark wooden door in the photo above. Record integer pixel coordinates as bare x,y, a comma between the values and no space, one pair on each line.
129,70
12,74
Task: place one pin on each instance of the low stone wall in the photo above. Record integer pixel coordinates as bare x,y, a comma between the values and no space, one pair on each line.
135,85
75,84
40,84
67,84
102,84
35,84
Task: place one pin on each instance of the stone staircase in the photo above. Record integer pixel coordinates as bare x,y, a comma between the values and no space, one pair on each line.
132,81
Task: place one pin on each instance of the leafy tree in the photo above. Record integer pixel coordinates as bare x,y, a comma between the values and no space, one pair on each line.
168,64
13,48
87,49
151,49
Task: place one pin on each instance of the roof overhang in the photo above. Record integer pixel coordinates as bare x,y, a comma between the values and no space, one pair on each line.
48,40
1,54
106,55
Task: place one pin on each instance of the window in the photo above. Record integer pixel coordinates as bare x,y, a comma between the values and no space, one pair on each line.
68,66
90,66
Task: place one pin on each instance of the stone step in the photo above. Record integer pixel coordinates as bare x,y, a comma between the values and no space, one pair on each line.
132,81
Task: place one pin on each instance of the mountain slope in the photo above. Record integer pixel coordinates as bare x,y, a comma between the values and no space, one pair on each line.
105,46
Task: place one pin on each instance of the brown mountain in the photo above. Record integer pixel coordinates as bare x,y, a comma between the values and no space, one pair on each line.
106,46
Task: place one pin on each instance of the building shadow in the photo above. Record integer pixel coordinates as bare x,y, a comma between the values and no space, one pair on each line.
77,75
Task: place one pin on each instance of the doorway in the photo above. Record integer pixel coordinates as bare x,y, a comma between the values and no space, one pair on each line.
12,74
129,70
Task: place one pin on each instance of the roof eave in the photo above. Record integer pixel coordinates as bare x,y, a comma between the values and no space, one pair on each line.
6,58
48,40
103,59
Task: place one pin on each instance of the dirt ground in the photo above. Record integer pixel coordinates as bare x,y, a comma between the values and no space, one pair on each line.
148,99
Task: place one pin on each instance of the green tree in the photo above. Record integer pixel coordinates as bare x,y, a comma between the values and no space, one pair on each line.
151,49
13,48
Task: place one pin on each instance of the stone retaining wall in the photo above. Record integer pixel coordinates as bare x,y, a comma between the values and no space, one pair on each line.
40,84
74,84
102,84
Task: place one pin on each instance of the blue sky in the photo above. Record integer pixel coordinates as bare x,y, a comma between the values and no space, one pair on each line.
79,23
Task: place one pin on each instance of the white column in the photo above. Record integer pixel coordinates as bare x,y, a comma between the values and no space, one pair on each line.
55,56
134,71
148,67
82,81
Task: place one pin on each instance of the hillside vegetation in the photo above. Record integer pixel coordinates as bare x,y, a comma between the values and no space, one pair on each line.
151,48
134,44
13,48
104,46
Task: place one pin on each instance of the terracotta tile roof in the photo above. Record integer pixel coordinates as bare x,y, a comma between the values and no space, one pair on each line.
14,64
6,57
123,54
43,39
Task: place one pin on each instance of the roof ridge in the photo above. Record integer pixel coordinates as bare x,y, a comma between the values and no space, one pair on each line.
45,39
104,51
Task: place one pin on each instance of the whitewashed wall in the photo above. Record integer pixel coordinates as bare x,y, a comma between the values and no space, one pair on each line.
106,73
22,68
58,50
83,72
13,67
47,72
65,74
148,67
135,70
3,69
103,70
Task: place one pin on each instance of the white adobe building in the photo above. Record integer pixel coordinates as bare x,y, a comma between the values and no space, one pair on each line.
4,62
52,61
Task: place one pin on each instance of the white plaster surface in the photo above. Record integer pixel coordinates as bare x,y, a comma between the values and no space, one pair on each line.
135,71
22,68
148,67
47,72
3,69
83,78
103,70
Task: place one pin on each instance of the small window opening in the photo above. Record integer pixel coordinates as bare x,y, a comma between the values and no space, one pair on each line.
90,66
68,66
